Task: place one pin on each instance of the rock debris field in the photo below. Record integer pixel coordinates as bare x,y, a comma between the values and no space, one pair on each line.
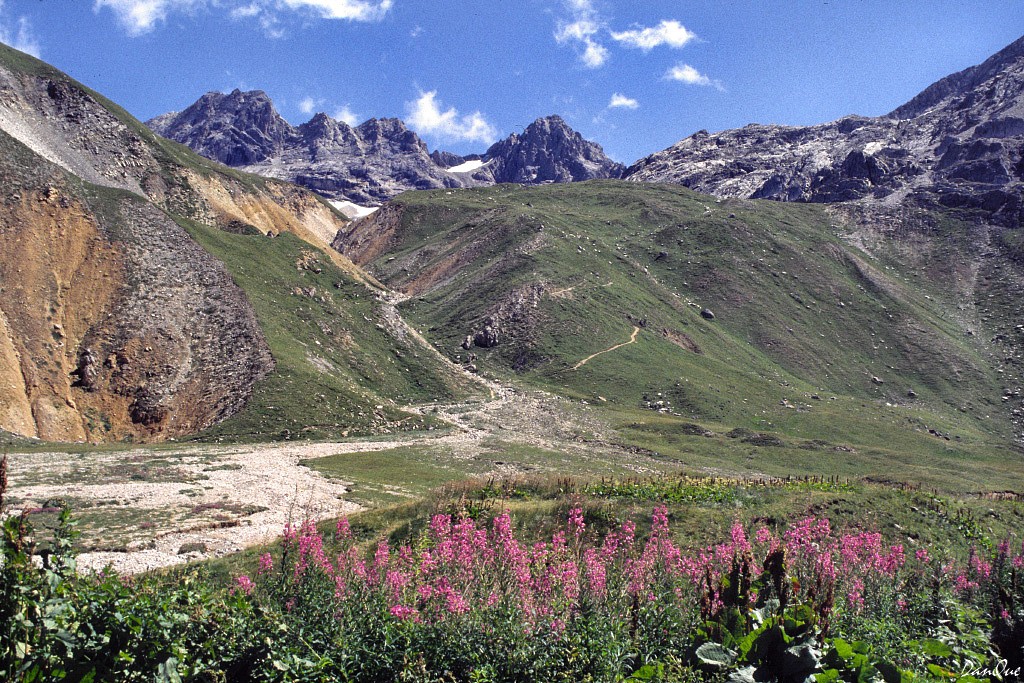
157,508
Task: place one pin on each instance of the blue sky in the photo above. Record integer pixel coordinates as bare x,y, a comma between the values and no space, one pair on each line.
634,76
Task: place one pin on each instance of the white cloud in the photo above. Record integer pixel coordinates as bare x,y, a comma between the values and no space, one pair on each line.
581,31
245,11
416,31
668,32
307,105
22,38
620,101
595,54
353,10
426,117
684,73
346,115
141,16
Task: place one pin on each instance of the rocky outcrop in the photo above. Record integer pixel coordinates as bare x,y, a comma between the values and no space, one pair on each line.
238,129
114,323
549,151
377,160
959,144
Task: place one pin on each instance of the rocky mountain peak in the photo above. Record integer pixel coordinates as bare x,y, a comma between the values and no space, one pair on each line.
237,129
375,132
548,150
323,127
377,159
1008,59
959,143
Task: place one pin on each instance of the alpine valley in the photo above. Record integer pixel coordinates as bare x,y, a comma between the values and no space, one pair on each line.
215,322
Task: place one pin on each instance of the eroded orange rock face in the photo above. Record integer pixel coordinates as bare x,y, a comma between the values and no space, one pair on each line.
114,323
59,275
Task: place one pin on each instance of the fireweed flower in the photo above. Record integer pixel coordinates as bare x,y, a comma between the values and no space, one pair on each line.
460,569
982,567
243,584
597,574
855,598
576,523
739,538
659,521
403,613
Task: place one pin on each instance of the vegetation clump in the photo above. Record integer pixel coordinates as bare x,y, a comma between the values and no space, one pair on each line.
482,599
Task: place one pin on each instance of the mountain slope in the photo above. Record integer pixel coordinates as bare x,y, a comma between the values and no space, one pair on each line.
754,319
117,324
376,160
958,144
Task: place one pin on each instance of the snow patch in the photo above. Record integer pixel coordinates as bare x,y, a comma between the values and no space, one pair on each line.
873,147
466,166
352,210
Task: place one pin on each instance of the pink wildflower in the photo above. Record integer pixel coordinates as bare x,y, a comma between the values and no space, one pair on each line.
628,534
964,584
404,613
244,585
739,539
440,527
981,566
659,521
856,596
396,581
597,576
576,523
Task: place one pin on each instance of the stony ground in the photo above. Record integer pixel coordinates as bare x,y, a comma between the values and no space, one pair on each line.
149,508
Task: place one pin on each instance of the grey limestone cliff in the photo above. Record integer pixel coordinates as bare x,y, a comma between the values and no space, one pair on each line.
959,144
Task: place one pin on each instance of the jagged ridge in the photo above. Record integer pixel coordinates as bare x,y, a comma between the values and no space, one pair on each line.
959,144
376,160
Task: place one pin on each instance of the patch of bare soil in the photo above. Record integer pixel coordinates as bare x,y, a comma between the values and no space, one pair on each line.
152,508
191,503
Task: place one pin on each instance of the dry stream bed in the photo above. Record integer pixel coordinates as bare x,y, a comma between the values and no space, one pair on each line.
149,508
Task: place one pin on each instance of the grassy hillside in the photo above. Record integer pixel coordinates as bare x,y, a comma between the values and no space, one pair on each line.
818,358
343,368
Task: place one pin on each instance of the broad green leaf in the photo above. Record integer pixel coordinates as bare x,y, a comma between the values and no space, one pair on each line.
935,648
843,649
716,655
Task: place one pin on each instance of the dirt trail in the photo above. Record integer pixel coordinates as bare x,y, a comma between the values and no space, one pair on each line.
632,340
